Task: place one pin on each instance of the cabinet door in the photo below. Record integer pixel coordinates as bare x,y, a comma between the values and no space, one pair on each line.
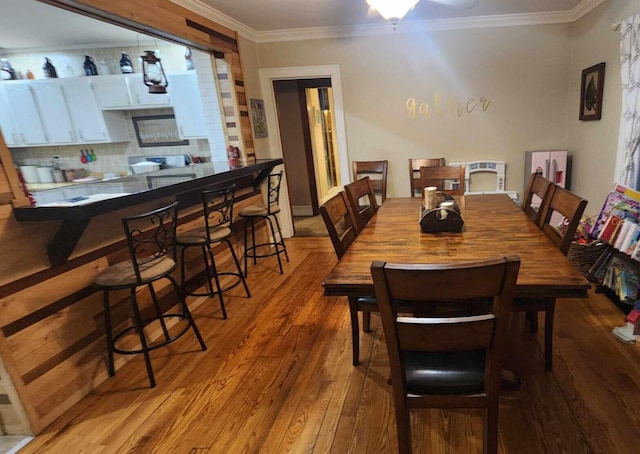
26,117
112,92
53,110
7,127
142,97
85,114
187,106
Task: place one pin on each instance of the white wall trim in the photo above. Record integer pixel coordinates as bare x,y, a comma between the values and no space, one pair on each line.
300,34
267,76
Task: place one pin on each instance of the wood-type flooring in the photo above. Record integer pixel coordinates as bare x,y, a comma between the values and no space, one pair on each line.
277,377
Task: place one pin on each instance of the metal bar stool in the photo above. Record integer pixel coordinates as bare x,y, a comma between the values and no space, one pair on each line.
271,210
151,242
217,206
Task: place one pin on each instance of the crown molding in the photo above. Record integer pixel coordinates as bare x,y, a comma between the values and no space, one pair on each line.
465,23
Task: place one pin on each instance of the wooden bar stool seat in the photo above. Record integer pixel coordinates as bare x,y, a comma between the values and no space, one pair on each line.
275,245
217,206
151,242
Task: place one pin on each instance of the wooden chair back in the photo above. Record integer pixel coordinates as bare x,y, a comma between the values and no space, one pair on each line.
571,207
340,222
437,176
414,173
363,203
373,168
424,352
534,206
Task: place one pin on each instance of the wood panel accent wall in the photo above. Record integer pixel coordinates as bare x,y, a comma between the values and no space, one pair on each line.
51,328
52,337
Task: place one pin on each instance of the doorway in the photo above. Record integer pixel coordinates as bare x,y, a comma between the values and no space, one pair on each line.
309,147
332,72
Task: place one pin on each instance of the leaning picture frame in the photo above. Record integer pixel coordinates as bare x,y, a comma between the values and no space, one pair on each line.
591,88
258,118
157,131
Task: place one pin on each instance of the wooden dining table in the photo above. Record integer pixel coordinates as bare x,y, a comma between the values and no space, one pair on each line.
493,226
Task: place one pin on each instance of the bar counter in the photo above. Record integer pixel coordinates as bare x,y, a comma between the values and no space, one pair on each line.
101,197
111,195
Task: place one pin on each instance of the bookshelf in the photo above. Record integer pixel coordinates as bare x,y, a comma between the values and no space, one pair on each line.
617,269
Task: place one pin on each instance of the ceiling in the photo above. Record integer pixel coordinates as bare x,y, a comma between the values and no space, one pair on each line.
270,15
29,24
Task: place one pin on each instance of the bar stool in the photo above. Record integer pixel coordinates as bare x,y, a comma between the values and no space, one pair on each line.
151,242
271,210
217,207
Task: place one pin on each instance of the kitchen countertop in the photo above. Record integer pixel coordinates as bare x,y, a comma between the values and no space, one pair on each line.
136,189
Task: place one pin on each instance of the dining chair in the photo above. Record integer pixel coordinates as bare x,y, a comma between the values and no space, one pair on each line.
570,207
217,209
152,256
446,362
438,176
541,188
414,173
341,225
363,202
371,169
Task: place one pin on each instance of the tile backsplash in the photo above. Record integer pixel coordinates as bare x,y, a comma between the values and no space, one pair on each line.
111,157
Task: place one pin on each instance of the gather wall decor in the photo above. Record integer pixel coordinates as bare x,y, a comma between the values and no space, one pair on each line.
591,87
440,106
259,118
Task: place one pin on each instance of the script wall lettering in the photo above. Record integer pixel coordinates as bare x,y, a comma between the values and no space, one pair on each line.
440,107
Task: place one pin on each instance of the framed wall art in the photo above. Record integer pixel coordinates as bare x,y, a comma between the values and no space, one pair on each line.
157,131
259,118
591,87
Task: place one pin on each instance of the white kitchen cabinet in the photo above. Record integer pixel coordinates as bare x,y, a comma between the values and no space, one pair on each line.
125,91
91,124
187,105
28,128
7,126
54,114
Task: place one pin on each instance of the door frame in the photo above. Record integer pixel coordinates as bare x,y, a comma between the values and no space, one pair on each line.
267,76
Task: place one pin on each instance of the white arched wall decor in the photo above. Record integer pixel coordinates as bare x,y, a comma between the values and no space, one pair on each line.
267,76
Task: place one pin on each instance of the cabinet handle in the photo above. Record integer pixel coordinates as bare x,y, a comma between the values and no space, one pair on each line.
80,134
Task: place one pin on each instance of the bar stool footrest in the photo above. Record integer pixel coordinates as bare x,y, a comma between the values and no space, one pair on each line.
153,346
224,289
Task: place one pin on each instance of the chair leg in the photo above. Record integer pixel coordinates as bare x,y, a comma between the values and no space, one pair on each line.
548,333
355,332
275,243
284,247
532,318
187,312
403,423
183,279
246,248
366,321
143,339
156,304
491,427
240,275
214,271
253,241
107,326
207,269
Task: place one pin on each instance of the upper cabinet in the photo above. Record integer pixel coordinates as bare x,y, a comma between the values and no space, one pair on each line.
187,105
126,91
56,112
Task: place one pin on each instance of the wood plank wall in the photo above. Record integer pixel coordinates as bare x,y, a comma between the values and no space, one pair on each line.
51,327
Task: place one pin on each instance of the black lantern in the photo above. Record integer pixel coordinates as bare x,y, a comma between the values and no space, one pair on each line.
153,73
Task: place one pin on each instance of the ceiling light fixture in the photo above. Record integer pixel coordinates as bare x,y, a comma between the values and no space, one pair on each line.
392,10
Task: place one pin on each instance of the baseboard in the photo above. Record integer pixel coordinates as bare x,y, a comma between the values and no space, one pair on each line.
302,210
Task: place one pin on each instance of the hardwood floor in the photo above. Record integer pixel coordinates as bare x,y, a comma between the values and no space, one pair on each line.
277,377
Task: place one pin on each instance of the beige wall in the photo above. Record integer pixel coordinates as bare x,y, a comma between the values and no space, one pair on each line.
521,71
529,74
594,143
